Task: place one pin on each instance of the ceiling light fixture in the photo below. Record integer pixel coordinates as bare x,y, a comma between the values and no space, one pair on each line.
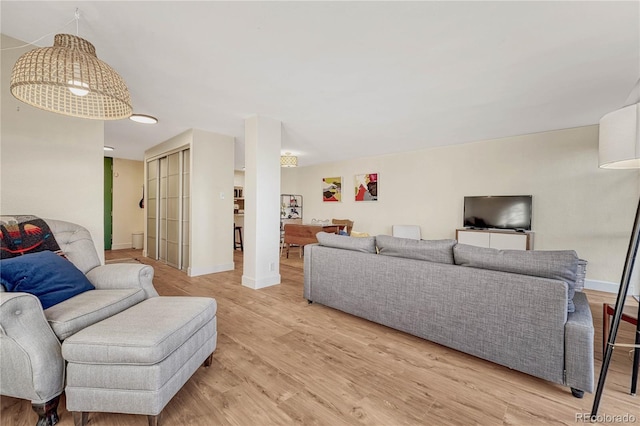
144,119
69,79
288,160
108,148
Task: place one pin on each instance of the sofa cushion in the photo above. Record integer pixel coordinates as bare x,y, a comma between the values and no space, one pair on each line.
440,251
162,325
554,264
49,277
77,313
363,244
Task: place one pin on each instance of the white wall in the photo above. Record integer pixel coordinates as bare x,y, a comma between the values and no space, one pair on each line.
576,205
51,164
183,140
212,162
238,178
289,184
128,217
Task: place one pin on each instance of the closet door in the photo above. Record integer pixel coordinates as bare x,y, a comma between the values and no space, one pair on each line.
174,197
168,180
152,209
186,205
162,211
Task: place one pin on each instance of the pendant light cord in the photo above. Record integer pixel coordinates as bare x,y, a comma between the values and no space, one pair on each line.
75,18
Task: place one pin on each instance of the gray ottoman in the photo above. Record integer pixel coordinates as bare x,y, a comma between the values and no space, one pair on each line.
136,361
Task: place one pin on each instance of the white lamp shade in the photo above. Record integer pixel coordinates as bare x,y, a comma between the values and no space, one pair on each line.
619,146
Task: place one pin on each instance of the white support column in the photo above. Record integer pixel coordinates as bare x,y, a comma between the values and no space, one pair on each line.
262,202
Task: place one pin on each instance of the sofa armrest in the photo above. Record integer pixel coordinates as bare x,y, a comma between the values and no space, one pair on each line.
123,275
31,364
308,255
579,345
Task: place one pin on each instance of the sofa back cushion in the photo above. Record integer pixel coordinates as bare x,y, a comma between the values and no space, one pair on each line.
362,244
556,264
440,251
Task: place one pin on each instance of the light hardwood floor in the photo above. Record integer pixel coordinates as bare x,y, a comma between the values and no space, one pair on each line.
282,361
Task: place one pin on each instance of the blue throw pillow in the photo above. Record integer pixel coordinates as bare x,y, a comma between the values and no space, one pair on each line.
49,277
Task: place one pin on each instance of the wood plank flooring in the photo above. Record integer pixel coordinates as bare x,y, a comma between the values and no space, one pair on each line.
281,361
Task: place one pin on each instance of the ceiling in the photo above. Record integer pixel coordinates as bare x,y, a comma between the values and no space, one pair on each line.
352,79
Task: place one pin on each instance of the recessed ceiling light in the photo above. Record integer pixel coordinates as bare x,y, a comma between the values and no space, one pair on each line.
108,148
142,118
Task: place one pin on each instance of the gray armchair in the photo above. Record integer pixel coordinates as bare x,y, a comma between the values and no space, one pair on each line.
31,363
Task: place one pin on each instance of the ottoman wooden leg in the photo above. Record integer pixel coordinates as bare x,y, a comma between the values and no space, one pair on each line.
47,412
208,361
154,420
80,418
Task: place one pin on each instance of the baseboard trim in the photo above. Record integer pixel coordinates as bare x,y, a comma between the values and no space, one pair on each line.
204,270
261,283
605,286
121,246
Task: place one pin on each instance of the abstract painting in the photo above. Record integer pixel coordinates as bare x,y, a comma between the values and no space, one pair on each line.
332,189
366,187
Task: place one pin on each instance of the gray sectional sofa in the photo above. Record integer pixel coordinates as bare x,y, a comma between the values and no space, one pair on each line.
515,308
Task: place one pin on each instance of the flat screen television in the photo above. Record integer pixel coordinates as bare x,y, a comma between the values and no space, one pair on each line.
498,212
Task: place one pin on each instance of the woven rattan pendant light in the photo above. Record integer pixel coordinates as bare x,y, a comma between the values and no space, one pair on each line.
69,79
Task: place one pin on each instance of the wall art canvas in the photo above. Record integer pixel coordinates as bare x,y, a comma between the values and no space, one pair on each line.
332,189
366,187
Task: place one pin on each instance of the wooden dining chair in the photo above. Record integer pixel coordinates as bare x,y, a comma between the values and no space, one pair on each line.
344,222
299,235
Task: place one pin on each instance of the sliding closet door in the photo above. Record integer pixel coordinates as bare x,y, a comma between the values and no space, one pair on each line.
174,175
168,180
186,204
152,209
162,211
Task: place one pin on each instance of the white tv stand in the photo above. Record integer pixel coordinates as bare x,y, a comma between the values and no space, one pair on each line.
496,238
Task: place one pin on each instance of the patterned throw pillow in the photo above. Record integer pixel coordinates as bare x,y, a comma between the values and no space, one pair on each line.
20,235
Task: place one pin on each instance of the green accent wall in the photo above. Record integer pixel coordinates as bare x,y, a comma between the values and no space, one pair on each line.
108,202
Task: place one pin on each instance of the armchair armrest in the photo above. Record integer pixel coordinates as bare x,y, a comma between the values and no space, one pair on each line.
31,363
123,275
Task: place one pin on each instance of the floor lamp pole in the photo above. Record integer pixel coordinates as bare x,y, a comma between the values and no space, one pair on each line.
622,295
